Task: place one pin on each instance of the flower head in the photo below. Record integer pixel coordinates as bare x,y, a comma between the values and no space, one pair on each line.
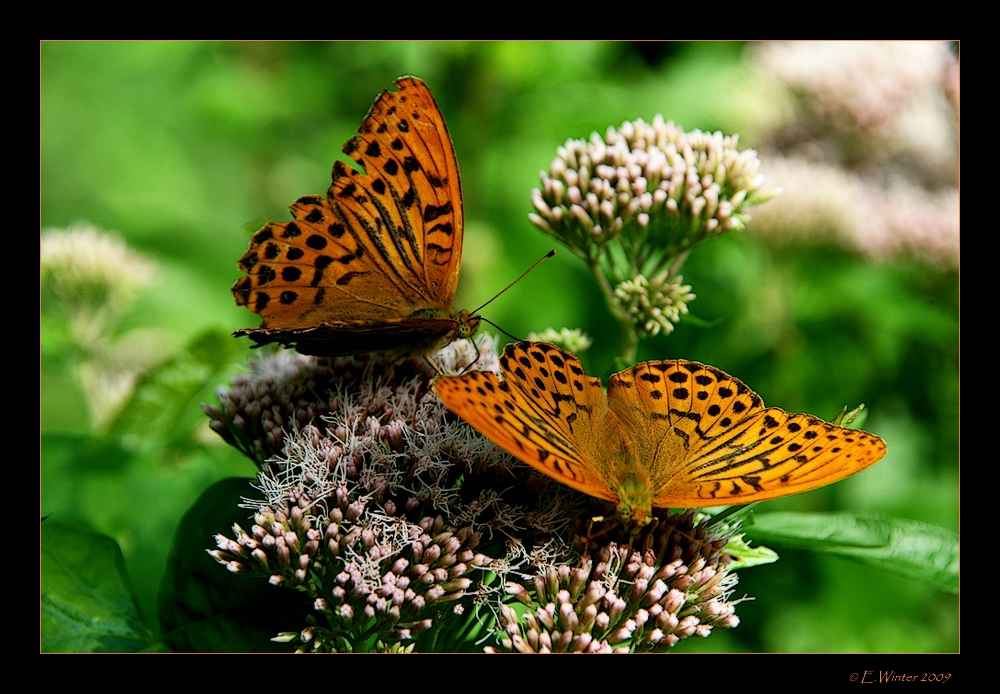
828,203
656,189
877,99
367,571
392,514
653,305
634,202
620,599
92,271
870,159
90,280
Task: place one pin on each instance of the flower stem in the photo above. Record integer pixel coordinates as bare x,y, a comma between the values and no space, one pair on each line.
628,342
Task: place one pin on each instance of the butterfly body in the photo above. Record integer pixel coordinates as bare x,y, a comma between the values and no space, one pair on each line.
668,434
634,498
373,266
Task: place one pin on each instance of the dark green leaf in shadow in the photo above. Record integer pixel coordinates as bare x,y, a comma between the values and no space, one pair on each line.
87,601
910,548
84,453
205,608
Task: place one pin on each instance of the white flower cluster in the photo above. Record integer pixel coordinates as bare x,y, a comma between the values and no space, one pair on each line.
625,602
572,340
662,186
88,267
654,305
877,88
826,202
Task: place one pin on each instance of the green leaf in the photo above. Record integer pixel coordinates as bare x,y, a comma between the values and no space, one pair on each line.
164,407
87,601
699,322
855,419
910,548
746,556
739,517
205,608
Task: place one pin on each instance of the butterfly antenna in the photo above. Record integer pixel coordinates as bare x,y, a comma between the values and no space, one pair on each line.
515,339
537,263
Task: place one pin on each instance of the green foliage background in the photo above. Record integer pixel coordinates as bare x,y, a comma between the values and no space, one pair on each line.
187,148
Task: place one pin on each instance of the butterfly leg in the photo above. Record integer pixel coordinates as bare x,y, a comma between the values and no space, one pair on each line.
586,539
437,370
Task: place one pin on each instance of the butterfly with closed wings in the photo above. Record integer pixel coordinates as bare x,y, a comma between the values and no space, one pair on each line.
373,266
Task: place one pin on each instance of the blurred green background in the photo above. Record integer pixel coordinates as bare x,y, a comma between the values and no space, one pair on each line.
185,149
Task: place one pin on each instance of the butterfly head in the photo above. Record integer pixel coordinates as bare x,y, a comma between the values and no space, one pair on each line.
468,324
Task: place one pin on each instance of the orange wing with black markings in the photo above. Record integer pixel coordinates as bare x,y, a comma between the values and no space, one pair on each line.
668,434
374,265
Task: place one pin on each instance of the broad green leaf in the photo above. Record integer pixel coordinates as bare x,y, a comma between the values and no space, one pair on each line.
740,517
910,548
164,406
87,601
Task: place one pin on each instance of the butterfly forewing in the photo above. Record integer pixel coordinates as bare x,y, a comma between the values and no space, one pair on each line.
776,454
542,412
406,208
735,450
379,255
553,387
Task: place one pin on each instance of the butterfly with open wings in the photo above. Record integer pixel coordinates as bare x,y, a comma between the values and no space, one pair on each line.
668,434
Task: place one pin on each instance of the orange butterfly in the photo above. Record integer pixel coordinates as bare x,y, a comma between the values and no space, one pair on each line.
373,266
668,434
